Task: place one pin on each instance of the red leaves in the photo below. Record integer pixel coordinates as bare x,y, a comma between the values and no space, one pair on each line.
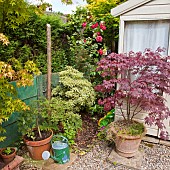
164,135
140,78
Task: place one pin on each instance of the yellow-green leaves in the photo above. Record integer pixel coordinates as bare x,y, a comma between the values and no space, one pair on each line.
9,103
4,39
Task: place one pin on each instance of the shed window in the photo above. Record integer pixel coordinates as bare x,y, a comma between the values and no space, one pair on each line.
140,35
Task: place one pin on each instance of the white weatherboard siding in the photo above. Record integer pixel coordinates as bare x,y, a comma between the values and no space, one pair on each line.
146,11
158,2
151,8
127,6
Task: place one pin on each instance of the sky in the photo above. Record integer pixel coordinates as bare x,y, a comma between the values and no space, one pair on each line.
57,6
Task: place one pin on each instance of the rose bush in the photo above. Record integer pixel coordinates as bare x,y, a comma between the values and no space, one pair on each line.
87,42
95,43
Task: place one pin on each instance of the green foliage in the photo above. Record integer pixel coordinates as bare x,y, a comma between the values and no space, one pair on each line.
96,109
67,1
101,9
16,12
28,42
59,61
102,133
133,128
7,151
68,122
108,118
55,114
136,129
77,18
9,102
83,44
75,89
12,13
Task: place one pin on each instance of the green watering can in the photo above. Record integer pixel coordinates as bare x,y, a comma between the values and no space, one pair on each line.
60,148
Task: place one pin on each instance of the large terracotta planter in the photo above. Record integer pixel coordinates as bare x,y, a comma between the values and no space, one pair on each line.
8,158
127,146
36,148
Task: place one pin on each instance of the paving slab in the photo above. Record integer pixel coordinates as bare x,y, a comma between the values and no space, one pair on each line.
50,164
14,164
134,162
163,142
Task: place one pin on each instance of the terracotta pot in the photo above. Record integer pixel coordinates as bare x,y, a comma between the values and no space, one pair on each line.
127,146
8,158
36,148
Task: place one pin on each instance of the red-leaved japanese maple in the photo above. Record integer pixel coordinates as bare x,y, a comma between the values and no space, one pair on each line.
142,79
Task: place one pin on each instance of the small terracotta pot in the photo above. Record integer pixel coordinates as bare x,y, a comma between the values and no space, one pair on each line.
8,158
14,164
127,146
36,148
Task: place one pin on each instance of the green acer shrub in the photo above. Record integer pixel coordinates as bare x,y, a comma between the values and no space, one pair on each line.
9,102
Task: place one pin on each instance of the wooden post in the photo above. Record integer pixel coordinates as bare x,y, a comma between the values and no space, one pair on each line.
48,61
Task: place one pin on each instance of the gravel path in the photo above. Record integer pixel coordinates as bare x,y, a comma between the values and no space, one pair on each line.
156,157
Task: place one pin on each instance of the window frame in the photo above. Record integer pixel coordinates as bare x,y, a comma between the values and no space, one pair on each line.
124,19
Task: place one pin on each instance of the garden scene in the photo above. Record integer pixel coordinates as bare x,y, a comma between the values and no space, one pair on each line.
85,91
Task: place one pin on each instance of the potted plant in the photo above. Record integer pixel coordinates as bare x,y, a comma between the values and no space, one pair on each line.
8,154
133,83
33,125
45,117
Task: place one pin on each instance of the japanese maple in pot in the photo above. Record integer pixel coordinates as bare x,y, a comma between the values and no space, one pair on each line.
135,83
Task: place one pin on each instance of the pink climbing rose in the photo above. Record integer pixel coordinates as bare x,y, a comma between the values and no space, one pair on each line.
99,38
95,25
84,24
103,27
100,52
98,33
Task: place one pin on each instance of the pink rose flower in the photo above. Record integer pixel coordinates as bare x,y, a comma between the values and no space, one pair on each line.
99,38
100,52
98,33
103,27
95,25
84,24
